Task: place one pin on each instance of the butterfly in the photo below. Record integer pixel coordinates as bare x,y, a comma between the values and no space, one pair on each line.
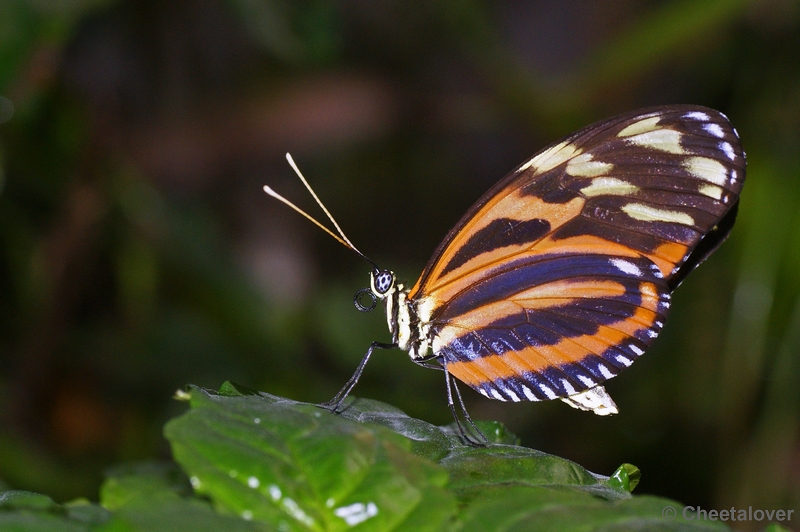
560,276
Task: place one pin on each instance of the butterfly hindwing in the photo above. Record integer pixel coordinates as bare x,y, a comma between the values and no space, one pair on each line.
560,275
580,321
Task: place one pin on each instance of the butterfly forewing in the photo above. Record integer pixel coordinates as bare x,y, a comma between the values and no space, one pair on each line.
560,275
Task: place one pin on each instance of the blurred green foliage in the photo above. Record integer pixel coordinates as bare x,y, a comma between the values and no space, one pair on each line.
138,253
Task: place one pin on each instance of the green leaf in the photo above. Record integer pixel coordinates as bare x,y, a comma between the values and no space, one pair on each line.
475,469
18,500
626,477
299,467
296,466
532,508
24,511
154,497
775,527
257,462
87,511
143,484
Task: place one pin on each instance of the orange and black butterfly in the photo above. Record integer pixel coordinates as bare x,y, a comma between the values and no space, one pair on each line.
560,275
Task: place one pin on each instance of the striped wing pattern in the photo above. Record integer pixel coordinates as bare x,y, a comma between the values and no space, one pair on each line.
561,274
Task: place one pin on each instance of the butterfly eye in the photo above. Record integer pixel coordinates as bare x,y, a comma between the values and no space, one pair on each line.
383,282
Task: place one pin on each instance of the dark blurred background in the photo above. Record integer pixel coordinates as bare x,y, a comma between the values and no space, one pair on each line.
138,252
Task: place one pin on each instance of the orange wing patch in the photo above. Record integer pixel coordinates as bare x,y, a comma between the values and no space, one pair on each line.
487,369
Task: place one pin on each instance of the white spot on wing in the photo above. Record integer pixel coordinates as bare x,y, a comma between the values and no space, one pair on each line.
649,291
728,150
483,392
707,170
645,213
712,191
609,186
697,115
666,140
642,126
714,129
514,397
551,157
568,387
584,166
587,381
528,393
625,361
547,391
497,395
604,371
635,349
626,267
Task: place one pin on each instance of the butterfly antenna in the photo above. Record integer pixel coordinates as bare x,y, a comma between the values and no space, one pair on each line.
341,237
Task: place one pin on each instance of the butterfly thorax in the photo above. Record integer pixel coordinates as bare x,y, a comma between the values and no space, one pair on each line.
409,330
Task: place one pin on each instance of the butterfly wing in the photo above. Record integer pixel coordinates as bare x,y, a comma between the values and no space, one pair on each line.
560,275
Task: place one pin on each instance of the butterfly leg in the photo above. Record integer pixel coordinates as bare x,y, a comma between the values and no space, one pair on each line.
334,404
482,440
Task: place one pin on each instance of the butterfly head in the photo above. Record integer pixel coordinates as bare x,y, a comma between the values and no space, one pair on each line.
381,286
